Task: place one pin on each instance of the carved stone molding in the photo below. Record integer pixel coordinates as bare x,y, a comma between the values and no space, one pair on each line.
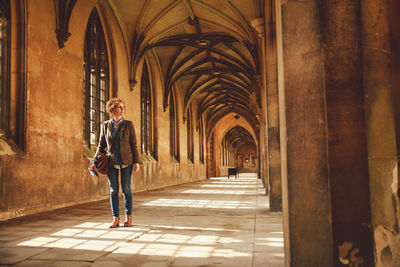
63,9
258,24
132,84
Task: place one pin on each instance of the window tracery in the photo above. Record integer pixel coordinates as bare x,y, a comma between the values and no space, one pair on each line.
96,79
190,147
174,130
147,116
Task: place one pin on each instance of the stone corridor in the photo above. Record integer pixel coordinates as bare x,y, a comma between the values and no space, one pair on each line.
216,222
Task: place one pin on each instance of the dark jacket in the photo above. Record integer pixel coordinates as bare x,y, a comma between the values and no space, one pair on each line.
129,152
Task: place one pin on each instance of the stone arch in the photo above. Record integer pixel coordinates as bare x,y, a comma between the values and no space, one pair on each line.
118,53
220,130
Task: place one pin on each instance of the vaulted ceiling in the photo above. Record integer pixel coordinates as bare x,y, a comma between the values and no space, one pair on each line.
239,136
207,49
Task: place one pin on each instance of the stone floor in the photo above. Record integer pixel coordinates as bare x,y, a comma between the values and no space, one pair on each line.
217,222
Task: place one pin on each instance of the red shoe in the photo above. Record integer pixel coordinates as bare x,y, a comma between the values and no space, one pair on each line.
128,221
115,223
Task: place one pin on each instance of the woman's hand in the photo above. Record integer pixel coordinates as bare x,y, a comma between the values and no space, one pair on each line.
93,167
136,167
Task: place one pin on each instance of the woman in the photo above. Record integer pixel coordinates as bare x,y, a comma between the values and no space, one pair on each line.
118,141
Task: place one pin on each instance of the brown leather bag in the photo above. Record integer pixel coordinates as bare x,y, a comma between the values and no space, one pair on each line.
102,161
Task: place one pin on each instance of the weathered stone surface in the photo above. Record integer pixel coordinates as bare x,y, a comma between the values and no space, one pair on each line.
13,255
379,64
307,169
276,188
387,247
347,145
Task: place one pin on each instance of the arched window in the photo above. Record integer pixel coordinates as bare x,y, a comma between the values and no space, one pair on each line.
5,30
96,79
147,129
201,142
190,148
12,94
224,154
173,129
221,154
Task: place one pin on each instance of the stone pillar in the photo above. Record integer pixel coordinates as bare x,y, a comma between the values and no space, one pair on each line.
273,110
394,28
347,146
326,182
211,157
259,25
282,132
263,162
306,202
381,130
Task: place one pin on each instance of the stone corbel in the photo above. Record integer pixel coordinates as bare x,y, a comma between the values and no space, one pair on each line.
63,10
258,24
132,84
258,79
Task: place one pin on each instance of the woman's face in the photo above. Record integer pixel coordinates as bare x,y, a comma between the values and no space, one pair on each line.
118,110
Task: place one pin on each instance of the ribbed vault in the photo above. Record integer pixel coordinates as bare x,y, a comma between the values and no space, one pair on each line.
239,136
207,51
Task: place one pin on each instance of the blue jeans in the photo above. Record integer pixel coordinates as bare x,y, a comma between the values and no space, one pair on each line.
126,174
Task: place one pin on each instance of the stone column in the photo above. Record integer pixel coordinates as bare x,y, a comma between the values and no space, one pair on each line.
326,187
269,96
381,130
273,110
306,202
282,132
347,146
394,28
259,25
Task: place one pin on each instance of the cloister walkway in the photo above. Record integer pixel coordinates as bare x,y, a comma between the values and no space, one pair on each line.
216,222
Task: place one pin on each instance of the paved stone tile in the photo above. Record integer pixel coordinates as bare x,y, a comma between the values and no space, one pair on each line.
212,261
125,257
11,235
155,264
47,263
268,259
62,254
19,242
217,222
13,255
107,264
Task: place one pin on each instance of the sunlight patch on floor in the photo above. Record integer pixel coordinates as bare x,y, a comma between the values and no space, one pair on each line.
152,242
195,203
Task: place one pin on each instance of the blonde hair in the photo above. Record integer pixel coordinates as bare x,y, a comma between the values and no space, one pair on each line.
110,106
